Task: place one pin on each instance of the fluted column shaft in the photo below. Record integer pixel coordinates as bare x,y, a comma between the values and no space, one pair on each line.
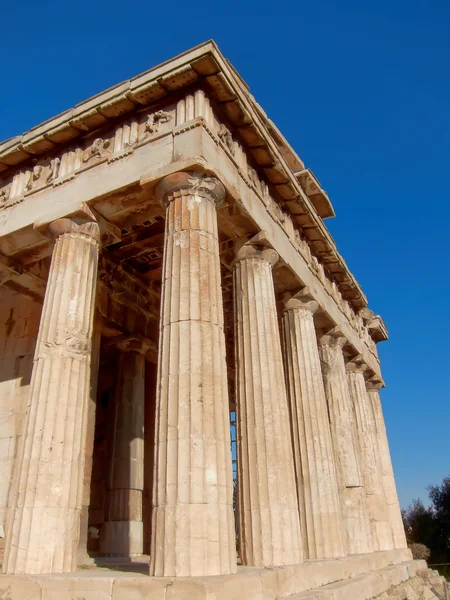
387,472
320,512
193,522
45,524
269,531
122,533
357,529
369,455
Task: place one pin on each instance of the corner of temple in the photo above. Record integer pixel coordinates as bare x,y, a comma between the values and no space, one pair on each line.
377,329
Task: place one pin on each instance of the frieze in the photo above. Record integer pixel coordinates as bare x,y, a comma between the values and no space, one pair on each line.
97,149
111,146
226,138
155,120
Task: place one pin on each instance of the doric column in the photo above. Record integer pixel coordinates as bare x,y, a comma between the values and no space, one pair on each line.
357,529
192,523
387,472
122,532
45,524
269,531
369,454
83,557
320,512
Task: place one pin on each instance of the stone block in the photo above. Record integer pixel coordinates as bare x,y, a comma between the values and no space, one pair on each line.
316,595
394,575
363,587
140,588
379,560
269,584
317,573
19,588
288,581
417,567
355,565
184,588
244,584
86,587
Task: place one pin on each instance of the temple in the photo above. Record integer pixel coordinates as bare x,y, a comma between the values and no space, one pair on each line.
164,265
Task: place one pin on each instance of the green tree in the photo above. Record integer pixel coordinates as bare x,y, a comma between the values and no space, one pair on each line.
440,497
431,525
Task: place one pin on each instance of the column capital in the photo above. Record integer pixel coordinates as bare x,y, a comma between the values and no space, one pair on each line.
133,343
257,246
184,183
334,338
301,300
357,365
75,226
375,383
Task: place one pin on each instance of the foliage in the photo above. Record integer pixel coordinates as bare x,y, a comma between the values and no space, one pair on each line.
420,551
430,526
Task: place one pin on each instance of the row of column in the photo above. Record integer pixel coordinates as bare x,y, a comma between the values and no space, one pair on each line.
314,471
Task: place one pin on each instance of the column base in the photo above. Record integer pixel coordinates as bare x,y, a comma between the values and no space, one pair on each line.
122,538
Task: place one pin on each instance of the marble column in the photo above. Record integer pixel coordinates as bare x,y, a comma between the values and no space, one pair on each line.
83,557
364,427
320,511
387,473
357,528
193,521
45,525
122,533
269,530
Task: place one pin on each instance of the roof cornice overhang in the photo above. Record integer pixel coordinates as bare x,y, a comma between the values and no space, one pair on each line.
272,155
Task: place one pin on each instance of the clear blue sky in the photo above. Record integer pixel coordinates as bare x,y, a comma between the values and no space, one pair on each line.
362,92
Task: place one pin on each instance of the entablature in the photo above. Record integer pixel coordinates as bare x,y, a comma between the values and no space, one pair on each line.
203,67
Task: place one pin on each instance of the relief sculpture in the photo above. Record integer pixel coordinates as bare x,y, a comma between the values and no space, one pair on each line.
97,149
155,120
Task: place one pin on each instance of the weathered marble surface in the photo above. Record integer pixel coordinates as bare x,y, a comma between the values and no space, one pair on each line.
269,532
358,532
44,524
317,487
365,428
387,472
193,524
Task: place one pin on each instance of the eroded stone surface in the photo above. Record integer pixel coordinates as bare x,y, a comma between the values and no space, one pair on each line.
44,524
317,488
369,456
387,473
358,532
269,532
193,524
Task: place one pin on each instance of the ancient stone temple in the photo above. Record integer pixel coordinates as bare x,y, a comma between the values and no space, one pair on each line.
164,263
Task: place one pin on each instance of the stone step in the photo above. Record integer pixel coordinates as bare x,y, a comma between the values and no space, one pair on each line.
368,586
